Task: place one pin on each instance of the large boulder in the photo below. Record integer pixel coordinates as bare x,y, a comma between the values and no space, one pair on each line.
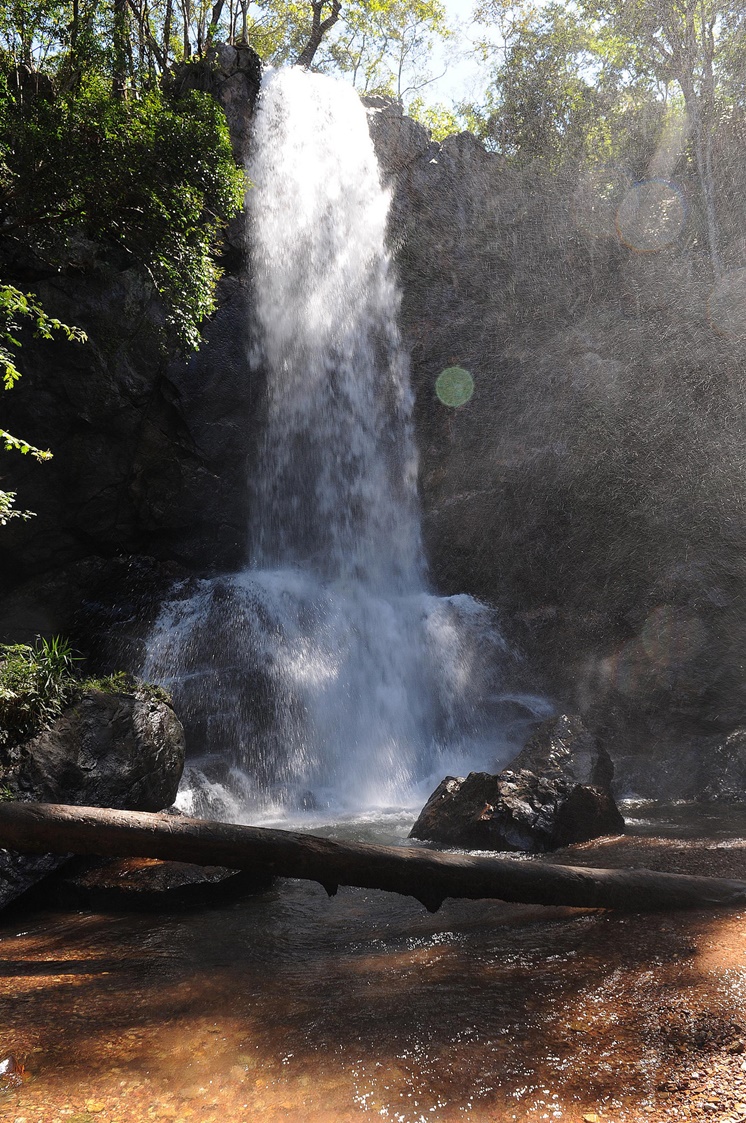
123,750
108,750
556,791
563,748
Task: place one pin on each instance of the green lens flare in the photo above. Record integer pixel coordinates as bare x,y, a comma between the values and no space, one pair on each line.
454,386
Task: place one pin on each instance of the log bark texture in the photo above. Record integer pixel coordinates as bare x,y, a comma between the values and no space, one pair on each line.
428,876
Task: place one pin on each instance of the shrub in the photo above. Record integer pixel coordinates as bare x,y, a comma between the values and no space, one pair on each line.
36,684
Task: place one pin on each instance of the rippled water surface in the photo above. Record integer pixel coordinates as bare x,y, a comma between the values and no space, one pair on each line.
292,1006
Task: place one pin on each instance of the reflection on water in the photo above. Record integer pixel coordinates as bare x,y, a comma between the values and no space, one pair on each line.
684,820
292,1006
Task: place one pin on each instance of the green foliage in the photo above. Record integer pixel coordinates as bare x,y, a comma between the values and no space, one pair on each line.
550,96
36,683
278,29
153,180
595,84
56,658
385,47
441,120
15,306
8,509
120,682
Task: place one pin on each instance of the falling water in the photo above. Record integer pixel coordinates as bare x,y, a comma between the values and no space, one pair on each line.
337,479
324,673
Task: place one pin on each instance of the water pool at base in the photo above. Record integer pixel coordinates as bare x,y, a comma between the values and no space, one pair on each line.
292,1006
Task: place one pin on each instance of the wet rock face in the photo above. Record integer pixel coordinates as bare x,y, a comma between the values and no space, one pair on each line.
724,770
555,792
563,748
109,750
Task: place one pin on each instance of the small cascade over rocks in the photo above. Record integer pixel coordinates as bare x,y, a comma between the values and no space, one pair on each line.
325,674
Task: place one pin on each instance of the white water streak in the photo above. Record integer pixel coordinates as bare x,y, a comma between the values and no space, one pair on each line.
336,486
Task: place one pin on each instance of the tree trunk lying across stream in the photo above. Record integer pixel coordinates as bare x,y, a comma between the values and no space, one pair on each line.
427,875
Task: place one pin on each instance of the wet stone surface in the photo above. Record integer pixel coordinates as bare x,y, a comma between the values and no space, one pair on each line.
290,1006
556,791
124,884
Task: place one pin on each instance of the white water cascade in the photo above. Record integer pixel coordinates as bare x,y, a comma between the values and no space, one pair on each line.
325,674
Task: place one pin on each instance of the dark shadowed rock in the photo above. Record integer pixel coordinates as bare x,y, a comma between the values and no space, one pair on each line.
555,792
20,872
108,750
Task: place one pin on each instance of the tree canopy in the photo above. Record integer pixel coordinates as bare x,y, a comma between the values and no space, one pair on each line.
612,82
149,181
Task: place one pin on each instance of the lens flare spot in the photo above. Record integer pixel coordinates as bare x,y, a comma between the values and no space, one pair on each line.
454,386
625,670
726,306
651,216
671,636
594,202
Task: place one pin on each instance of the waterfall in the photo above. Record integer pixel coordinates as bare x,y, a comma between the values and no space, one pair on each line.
336,486
325,673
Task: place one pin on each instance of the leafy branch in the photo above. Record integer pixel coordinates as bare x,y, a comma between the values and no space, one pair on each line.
14,307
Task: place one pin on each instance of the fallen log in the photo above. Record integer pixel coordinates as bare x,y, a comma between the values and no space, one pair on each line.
427,875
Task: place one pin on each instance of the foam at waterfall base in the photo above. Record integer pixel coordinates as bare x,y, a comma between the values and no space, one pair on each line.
300,694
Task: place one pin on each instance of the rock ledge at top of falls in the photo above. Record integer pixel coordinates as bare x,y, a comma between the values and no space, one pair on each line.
233,75
554,792
123,750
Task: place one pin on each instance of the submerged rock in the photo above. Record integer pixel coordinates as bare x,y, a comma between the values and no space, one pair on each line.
20,872
148,884
556,791
12,1073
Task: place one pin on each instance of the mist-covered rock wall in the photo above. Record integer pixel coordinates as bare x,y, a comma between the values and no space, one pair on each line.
593,487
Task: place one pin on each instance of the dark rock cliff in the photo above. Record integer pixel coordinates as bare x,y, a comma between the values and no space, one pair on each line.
593,488
151,456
